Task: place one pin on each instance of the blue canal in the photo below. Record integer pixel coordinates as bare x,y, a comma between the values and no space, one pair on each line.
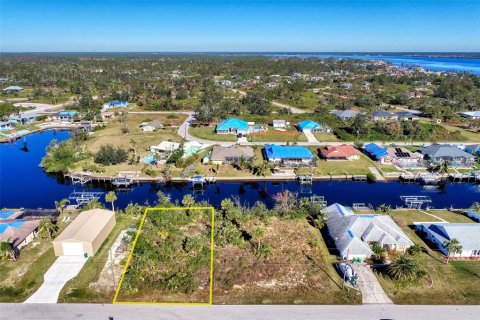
24,184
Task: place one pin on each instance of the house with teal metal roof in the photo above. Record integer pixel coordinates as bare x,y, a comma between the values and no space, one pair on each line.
311,126
289,156
232,126
64,115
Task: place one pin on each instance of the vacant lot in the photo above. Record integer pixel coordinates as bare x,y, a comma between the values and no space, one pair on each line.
341,167
455,283
208,133
272,135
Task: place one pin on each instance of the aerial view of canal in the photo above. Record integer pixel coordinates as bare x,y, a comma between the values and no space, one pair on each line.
23,184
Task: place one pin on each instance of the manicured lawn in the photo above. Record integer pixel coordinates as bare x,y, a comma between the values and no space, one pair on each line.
277,136
326,136
324,167
208,133
22,278
78,289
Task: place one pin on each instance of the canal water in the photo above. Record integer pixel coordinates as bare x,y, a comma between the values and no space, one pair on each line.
24,184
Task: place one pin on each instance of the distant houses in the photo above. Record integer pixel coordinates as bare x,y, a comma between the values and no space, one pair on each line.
12,89
382,115
311,126
229,155
342,152
346,114
455,157
5,126
440,233
406,115
355,234
472,115
67,116
115,104
280,124
232,126
151,125
289,156
346,85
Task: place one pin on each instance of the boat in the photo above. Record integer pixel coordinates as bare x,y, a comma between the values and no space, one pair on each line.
347,271
122,181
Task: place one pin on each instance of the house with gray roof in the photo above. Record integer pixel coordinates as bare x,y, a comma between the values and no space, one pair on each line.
468,234
230,154
472,115
382,115
12,89
354,234
406,115
456,157
346,114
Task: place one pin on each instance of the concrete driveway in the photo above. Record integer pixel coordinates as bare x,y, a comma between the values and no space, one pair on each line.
310,136
62,270
372,291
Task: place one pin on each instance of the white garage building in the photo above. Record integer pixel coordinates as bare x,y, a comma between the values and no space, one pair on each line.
85,234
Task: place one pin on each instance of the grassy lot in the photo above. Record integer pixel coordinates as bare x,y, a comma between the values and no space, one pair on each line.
305,100
326,136
324,167
276,136
455,283
466,135
113,133
208,133
22,278
78,289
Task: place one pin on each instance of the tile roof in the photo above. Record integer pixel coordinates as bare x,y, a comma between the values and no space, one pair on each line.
342,151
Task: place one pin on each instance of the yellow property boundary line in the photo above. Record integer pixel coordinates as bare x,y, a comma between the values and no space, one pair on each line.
212,239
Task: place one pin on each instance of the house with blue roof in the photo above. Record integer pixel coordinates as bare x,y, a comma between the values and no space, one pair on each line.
473,149
311,126
376,152
355,234
115,104
289,156
64,116
232,126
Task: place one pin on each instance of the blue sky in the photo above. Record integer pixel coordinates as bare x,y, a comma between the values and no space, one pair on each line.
262,25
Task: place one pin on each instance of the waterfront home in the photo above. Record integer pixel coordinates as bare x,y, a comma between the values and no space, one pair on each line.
475,215
382,115
192,147
84,235
23,118
232,126
342,152
456,157
63,116
229,155
151,126
355,234
404,158
346,85
18,232
115,104
12,89
472,115
5,126
376,152
311,126
406,115
280,123
289,156
473,149
346,114
467,234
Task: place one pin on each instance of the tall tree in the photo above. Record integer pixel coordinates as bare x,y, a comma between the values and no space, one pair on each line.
111,197
453,247
46,228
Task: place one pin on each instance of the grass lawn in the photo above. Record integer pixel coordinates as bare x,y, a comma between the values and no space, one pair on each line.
466,135
277,136
208,133
323,168
22,278
456,283
326,136
77,289
306,100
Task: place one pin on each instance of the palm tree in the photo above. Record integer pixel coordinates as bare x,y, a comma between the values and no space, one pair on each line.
6,251
404,267
111,197
59,205
476,207
188,200
453,247
384,208
46,228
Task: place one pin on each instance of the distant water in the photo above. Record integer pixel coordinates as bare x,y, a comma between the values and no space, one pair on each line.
24,184
454,64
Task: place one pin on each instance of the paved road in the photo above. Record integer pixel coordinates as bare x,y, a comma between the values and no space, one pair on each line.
372,291
61,271
146,312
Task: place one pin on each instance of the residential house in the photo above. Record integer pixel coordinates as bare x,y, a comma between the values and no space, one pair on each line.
472,115
271,85
107,115
232,126
346,85
18,232
23,118
473,149
382,115
438,153
115,104
289,156
165,146
12,89
355,234
404,158
151,126
311,126
192,147
342,152
376,152
467,234
316,79
280,123
66,116
231,154
475,215
5,126
406,115
346,114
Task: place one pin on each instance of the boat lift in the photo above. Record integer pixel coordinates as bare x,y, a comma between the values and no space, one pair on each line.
415,202
84,197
